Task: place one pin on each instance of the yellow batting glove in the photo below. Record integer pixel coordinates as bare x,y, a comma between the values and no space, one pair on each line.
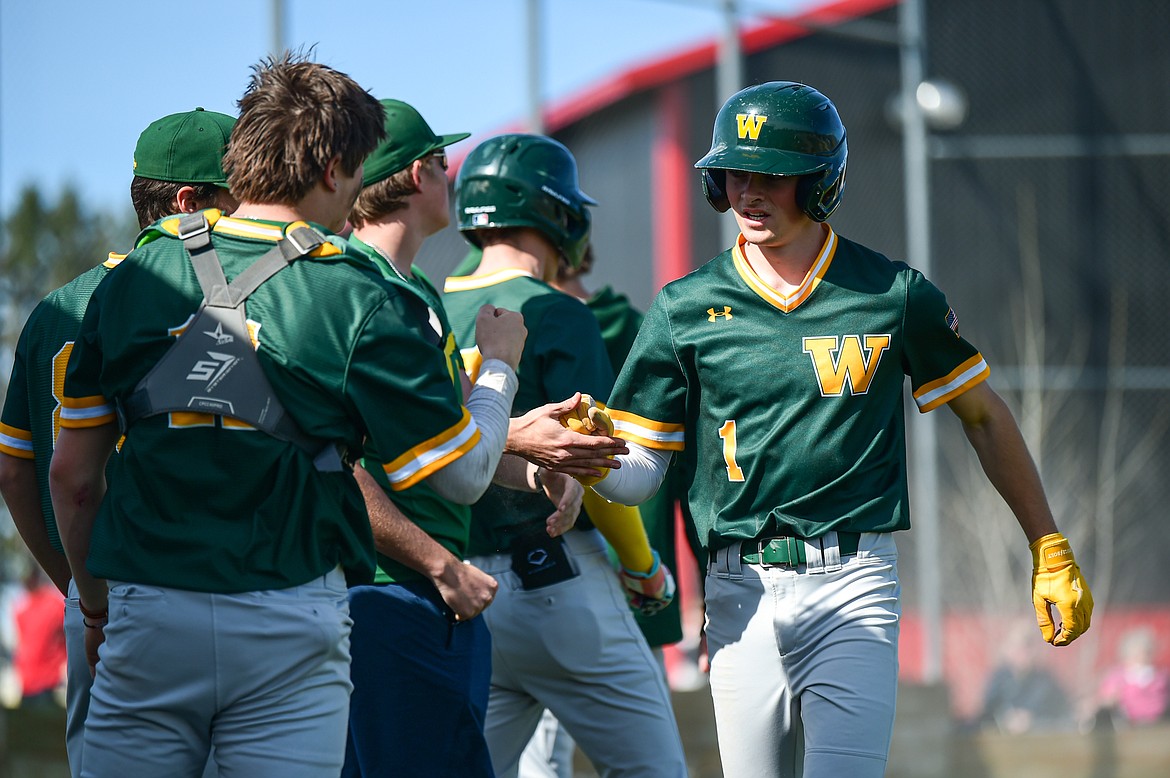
589,418
1056,580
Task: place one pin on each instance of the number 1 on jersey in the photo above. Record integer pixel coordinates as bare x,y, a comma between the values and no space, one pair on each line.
727,432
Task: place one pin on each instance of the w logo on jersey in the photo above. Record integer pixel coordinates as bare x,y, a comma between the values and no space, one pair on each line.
841,361
749,125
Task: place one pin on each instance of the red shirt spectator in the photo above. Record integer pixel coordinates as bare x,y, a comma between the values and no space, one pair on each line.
39,659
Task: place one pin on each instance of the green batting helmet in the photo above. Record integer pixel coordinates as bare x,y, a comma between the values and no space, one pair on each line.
782,129
524,181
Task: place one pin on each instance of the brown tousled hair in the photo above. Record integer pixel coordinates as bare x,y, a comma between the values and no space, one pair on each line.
385,197
295,116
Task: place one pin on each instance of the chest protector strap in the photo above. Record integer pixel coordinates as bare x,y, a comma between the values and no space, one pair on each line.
213,367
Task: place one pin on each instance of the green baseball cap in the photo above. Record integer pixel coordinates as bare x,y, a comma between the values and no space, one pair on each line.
408,137
185,148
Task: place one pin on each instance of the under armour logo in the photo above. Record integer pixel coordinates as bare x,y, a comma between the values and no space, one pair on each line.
212,370
221,338
713,314
537,557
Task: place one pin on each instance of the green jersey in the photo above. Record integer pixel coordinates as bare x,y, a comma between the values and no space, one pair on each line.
788,410
447,522
563,354
32,409
208,503
619,322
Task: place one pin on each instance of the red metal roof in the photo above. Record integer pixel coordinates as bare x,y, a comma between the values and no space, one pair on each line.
701,57
655,73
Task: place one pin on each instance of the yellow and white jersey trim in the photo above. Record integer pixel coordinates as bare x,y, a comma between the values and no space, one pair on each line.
932,395
649,433
16,442
432,455
82,412
812,279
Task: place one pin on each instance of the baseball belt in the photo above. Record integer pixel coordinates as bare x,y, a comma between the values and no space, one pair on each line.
789,550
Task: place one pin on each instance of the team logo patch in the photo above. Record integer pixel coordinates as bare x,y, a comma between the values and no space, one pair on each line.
713,314
480,220
749,125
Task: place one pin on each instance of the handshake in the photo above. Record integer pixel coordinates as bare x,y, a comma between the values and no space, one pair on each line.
650,591
589,418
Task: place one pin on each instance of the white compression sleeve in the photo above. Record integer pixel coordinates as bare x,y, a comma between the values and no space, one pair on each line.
490,403
638,478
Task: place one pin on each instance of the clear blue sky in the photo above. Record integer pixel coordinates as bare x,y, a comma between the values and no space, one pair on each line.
79,80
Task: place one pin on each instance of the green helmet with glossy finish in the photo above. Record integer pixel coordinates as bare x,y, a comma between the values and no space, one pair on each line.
521,180
779,128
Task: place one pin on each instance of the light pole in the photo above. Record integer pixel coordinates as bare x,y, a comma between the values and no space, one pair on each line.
277,27
921,101
535,60
728,81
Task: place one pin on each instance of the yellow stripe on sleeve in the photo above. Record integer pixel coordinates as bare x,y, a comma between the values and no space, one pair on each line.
16,442
82,412
932,395
432,455
652,434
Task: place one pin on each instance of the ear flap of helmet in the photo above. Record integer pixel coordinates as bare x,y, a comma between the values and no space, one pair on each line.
714,181
819,194
575,239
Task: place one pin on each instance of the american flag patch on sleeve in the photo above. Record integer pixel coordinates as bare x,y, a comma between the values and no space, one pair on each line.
953,321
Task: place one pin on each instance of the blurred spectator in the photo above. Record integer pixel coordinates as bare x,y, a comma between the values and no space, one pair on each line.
39,657
1021,695
1136,691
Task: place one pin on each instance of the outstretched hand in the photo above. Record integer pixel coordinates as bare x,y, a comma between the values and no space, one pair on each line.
541,438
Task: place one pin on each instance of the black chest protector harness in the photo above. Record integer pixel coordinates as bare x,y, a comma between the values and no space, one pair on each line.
213,367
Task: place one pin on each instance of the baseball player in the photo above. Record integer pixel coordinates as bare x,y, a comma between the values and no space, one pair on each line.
177,169
518,198
421,652
233,523
775,372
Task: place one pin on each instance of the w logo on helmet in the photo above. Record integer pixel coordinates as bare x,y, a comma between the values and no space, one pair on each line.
749,125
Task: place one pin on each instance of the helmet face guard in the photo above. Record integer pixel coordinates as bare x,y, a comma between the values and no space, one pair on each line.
524,181
781,129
